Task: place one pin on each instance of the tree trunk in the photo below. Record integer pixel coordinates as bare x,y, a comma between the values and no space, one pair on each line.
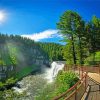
73,48
80,48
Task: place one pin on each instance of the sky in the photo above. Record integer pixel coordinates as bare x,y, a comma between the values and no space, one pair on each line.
36,19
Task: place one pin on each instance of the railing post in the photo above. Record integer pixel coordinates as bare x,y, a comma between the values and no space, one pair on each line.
85,81
79,71
76,93
99,68
82,71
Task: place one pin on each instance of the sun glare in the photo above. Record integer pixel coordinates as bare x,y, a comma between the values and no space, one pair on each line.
2,16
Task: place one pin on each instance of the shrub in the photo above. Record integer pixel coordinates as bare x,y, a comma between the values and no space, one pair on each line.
10,81
91,61
63,82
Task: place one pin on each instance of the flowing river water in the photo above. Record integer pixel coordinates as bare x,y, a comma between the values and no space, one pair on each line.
33,83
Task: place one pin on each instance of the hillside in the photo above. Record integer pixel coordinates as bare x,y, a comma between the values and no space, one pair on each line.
19,56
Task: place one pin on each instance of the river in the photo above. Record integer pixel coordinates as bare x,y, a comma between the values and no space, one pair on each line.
33,83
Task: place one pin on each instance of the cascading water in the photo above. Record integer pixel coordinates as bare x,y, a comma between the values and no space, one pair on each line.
52,72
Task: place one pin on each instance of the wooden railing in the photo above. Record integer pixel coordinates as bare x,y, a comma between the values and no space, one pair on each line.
75,92
81,69
90,69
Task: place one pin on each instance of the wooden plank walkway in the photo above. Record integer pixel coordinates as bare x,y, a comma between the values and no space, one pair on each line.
95,77
89,84
94,83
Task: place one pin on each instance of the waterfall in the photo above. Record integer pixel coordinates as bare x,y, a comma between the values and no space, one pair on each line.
52,72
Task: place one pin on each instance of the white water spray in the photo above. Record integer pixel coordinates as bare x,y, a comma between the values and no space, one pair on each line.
52,72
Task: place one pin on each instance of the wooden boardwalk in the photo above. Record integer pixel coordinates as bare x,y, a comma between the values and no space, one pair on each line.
87,88
94,84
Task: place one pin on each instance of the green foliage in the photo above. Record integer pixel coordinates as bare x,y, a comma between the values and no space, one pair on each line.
13,50
19,52
71,26
25,71
2,62
90,60
69,78
82,38
10,81
63,82
10,95
92,34
53,50
67,52
1,84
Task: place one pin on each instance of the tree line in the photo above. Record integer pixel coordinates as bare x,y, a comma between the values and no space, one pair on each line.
53,50
22,55
82,38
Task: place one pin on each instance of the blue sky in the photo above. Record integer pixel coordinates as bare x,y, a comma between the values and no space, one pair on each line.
38,18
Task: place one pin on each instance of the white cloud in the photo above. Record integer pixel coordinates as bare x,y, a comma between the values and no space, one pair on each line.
50,33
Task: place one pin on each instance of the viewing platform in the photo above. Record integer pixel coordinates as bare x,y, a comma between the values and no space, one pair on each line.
87,88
